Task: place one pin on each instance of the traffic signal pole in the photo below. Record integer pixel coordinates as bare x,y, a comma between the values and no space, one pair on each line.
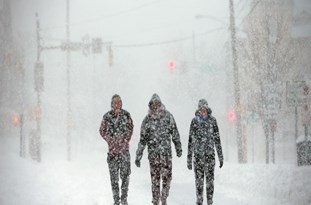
66,46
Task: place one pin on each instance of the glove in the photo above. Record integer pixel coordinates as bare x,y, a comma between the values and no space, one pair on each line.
137,162
179,153
221,163
189,164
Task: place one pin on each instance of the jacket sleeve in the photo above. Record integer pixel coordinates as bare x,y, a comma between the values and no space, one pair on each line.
130,127
175,135
103,129
190,141
143,139
217,141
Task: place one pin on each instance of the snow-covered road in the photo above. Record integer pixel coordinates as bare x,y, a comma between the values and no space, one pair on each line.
85,181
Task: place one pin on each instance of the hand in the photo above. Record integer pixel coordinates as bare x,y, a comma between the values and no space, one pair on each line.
179,153
137,162
189,164
221,162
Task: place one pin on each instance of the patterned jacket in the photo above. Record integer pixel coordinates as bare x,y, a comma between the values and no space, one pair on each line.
157,131
203,137
117,131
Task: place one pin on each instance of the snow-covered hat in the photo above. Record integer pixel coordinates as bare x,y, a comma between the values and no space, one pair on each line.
203,104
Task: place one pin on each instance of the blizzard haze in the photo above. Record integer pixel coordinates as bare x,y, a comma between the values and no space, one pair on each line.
139,40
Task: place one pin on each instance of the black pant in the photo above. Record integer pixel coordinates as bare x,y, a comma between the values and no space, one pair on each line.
119,165
160,168
204,168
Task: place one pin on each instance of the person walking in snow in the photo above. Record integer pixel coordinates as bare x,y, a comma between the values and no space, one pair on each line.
157,130
117,129
203,137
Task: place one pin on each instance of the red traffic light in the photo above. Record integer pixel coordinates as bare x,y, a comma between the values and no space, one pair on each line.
231,116
16,120
171,64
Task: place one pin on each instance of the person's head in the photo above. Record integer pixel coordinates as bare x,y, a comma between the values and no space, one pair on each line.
203,107
116,103
155,103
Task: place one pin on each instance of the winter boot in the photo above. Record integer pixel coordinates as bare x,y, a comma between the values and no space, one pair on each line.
155,203
124,202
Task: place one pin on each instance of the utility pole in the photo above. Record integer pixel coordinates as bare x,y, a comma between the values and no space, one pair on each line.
236,84
35,141
69,114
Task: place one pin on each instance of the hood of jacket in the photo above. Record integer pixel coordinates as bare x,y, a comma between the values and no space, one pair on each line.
160,111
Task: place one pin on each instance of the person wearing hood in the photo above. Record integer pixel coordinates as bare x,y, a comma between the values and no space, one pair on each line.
203,137
117,129
157,130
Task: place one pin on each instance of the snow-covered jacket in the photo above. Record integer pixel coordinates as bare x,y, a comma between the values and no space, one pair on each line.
117,130
204,136
157,130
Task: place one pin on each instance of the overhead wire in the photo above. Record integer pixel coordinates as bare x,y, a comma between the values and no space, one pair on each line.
105,16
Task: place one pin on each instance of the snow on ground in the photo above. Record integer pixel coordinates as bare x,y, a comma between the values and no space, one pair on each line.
85,181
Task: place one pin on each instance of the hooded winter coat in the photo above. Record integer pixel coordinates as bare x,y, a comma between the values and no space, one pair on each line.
204,136
157,130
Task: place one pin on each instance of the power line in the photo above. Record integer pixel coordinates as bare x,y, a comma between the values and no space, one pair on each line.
106,16
165,42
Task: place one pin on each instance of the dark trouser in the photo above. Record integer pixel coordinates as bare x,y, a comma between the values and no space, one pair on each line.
119,165
160,168
201,168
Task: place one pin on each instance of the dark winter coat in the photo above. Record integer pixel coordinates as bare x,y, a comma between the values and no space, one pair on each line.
117,131
203,137
157,130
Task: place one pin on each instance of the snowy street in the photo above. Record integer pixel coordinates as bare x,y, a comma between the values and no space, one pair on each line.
86,182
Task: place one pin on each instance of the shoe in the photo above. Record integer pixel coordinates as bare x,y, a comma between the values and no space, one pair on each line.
124,202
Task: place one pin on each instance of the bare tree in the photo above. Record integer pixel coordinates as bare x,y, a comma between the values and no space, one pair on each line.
267,57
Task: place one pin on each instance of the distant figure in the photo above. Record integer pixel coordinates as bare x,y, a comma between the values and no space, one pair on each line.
117,129
157,130
204,134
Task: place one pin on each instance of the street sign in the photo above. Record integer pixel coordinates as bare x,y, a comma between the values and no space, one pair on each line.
295,93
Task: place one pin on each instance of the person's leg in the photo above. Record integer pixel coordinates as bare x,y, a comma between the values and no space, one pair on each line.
166,173
209,171
199,181
155,180
125,172
114,177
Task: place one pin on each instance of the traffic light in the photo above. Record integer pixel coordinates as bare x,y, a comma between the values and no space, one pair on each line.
231,116
16,119
171,64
